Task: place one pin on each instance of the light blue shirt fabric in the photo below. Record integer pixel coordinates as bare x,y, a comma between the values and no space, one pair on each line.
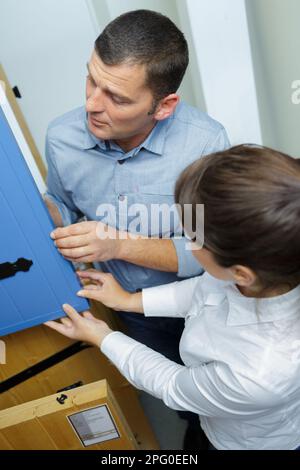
84,172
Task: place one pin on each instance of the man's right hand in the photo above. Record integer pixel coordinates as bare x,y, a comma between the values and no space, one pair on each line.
87,242
54,212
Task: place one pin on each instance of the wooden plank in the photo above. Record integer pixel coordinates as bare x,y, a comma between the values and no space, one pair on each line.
128,401
29,435
43,424
4,444
87,366
28,347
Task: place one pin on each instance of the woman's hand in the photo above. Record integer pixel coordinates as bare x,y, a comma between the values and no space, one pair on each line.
84,328
104,288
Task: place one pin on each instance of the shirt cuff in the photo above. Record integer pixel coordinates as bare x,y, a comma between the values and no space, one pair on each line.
188,266
68,217
160,301
115,342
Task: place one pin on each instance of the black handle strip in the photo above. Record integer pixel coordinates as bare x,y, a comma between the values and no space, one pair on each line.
10,269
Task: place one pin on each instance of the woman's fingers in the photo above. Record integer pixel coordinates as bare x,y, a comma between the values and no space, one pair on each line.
69,325
92,294
91,287
89,316
67,322
59,327
71,312
95,275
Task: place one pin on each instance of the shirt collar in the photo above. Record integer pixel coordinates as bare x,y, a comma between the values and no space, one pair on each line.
248,310
154,143
90,141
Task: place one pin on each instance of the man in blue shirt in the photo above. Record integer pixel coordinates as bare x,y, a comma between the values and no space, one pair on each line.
127,147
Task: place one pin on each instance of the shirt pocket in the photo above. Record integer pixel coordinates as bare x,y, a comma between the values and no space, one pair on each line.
98,206
161,189
159,202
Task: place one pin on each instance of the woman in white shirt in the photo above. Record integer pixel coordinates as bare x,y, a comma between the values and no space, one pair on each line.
241,343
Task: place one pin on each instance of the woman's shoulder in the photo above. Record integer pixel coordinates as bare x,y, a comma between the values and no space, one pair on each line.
210,284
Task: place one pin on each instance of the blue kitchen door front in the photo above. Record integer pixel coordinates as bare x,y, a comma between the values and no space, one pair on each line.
35,281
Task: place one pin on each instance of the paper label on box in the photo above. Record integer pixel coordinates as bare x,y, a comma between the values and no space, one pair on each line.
94,425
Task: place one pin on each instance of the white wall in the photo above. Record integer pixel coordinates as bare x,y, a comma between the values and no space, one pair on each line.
44,46
275,37
220,34
16,130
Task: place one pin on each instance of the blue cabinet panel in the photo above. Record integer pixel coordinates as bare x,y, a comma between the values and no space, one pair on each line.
33,297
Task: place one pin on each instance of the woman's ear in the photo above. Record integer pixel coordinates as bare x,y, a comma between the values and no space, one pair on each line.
243,276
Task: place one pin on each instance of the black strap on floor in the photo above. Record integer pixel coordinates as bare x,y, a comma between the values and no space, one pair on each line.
51,361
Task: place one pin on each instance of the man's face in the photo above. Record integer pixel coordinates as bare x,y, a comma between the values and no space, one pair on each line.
117,100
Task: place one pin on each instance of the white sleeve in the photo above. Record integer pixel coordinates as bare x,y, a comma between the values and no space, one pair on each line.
170,300
212,389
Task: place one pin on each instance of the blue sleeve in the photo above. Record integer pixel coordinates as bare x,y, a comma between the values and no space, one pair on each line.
56,192
188,266
221,142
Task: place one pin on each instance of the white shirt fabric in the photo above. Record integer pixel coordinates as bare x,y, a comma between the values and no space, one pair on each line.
241,356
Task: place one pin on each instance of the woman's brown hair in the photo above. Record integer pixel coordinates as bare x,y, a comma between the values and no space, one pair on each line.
251,198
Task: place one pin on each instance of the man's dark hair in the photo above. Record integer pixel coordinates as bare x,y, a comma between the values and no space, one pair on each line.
149,38
251,198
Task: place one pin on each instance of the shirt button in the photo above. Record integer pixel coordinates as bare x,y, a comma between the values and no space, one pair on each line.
121,197
121,162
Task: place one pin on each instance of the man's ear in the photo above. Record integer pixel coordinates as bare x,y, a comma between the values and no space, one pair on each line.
243,276
166,107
